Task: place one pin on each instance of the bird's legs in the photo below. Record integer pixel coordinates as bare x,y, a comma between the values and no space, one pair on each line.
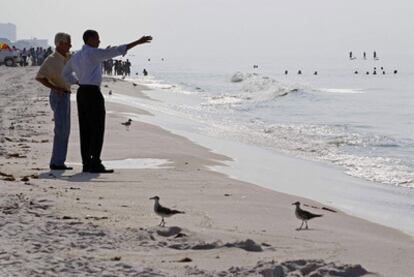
306,222
300,228
162,223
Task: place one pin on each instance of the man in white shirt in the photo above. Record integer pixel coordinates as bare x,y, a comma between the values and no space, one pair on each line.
86,65
50,75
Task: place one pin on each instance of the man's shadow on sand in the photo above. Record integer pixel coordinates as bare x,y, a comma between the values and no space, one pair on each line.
77,177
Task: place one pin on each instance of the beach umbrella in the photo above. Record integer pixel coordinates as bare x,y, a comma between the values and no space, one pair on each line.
4,46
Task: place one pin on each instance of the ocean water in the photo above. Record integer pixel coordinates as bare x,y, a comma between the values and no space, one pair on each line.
340,138
361,123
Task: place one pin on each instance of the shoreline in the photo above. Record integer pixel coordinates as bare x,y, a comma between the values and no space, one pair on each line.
323,182
74,223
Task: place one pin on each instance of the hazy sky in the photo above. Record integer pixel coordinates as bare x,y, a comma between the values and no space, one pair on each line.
215,27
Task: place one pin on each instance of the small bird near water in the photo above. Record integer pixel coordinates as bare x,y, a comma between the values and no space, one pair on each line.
303,215
127,123
163,211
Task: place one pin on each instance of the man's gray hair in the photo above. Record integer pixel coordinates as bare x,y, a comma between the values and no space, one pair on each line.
61,37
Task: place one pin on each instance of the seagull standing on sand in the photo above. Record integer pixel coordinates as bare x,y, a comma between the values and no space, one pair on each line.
163,211
127,123
303,215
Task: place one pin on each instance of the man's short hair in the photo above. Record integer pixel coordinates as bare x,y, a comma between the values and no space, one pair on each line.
88,34
61,37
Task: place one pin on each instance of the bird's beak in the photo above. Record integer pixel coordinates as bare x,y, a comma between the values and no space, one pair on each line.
151,198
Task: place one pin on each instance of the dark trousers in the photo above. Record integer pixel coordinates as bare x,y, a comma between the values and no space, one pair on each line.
91,111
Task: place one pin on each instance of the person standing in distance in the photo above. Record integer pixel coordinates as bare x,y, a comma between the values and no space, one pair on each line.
49,75
85,66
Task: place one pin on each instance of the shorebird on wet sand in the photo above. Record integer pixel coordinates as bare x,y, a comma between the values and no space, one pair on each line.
127,123
303,215
163,211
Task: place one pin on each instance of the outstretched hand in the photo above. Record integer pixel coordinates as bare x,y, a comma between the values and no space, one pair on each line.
142,40
145,39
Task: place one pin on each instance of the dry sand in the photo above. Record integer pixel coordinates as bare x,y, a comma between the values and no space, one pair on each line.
77,224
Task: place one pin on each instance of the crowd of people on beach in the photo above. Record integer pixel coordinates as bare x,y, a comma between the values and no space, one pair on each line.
117,67
36,55
33,56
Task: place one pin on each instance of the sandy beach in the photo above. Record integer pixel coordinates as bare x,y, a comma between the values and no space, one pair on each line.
55,223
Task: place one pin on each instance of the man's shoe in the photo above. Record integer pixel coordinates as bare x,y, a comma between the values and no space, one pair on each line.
60,167
86,169
100,169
